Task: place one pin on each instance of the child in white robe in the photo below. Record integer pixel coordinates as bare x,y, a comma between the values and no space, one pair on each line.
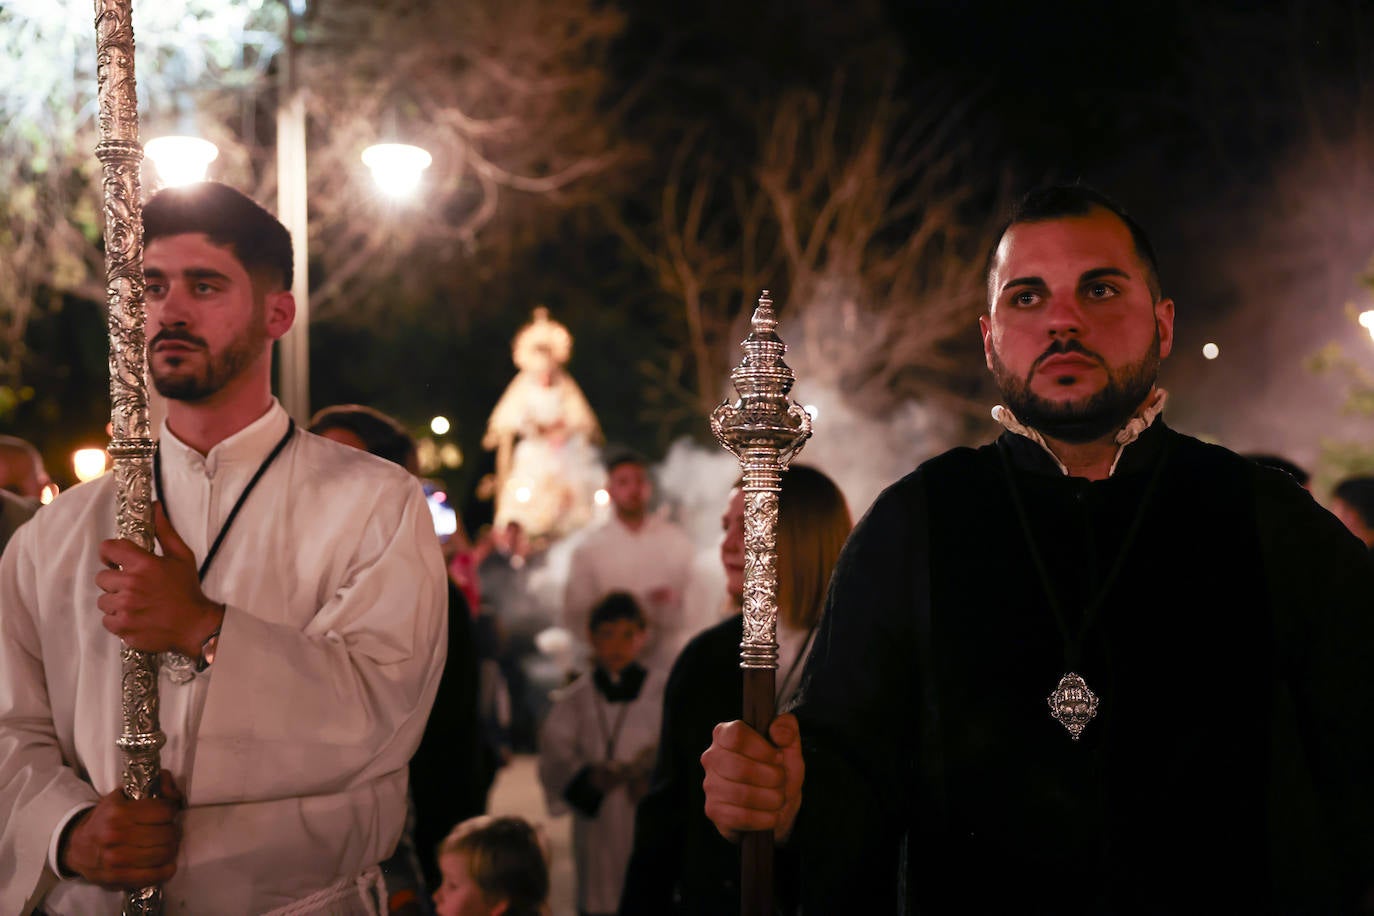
597,748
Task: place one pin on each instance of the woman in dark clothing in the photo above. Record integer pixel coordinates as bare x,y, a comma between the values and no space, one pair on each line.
680,864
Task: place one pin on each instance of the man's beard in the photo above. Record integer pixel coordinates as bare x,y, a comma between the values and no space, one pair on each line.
1090,418
185,383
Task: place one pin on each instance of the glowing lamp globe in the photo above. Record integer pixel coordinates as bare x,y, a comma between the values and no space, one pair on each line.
396,167
181,160
88,463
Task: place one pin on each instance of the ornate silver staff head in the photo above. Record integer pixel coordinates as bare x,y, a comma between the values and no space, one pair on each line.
764,429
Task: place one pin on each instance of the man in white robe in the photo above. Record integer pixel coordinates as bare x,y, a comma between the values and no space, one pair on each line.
634,551
317,633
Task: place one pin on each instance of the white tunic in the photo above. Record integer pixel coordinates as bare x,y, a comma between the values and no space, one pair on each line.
574,736
291,749
614,558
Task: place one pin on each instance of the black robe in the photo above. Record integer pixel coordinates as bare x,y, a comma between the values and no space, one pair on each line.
1231,763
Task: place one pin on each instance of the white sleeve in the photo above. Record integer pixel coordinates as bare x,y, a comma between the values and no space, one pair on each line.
559,759
581,592
293,712
38,790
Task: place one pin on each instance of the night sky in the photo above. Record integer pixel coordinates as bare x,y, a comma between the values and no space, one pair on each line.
1238,133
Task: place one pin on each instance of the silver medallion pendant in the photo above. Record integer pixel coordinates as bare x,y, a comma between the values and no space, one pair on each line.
1073,704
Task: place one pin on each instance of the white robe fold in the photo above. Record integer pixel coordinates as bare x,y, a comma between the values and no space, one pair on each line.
292,748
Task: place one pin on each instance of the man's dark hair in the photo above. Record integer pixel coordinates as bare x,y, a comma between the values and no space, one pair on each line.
1358,494
617,606
1065,200
615,456
229,218
381,435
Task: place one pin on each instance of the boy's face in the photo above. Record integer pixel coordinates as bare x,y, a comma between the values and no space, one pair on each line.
459,895
616,643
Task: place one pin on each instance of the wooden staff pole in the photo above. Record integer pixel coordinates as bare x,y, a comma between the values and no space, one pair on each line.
131,444
764,430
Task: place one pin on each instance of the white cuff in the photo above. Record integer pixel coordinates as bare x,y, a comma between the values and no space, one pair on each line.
57,839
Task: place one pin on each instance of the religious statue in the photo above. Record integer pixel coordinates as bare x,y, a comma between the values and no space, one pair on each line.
544,434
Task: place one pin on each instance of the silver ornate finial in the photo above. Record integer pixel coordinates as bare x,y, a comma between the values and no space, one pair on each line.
764,429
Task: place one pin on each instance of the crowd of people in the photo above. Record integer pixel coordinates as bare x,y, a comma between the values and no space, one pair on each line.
1095,666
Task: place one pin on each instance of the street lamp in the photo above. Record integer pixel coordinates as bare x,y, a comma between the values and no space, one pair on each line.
1367,321
181,160
293,350
396,167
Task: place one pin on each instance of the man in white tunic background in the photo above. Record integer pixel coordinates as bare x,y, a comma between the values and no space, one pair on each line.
303,580
635,551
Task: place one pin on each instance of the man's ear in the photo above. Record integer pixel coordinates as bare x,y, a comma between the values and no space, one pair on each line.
1164,321
985,326
281,313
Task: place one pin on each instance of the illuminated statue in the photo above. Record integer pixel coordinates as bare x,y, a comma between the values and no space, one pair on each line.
544,433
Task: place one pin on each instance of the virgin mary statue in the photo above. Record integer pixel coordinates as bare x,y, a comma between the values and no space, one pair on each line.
544,434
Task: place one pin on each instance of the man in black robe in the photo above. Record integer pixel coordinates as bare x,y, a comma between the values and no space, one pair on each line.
1093,667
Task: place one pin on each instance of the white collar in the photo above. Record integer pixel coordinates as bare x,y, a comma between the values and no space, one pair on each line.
249,445
1124,436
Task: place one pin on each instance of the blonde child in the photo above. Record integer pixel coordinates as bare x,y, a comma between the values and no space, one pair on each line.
493,866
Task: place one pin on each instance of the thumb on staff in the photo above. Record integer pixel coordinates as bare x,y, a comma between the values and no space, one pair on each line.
172,544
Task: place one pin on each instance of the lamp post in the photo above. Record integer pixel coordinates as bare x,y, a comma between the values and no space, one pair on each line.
293,351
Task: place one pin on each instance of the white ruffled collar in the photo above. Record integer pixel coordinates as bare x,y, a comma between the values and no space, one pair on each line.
1124,436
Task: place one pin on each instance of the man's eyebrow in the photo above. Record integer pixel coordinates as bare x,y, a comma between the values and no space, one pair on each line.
1022,281
204,273
1098,273
190,273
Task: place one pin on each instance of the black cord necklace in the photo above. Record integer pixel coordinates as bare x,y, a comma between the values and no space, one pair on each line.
1072,704
234,512
610,734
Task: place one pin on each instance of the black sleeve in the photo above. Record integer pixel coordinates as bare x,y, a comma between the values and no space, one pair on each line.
1322,584
859,712
445,780
582,795
661,817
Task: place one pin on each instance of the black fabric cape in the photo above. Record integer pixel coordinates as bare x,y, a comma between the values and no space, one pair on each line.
1231,765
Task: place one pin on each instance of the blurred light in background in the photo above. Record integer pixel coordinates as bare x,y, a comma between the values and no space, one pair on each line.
396,167
181,160
439,425
1211,350
88,463
602,498
450,456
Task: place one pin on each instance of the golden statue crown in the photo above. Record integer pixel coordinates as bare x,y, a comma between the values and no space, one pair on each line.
541,334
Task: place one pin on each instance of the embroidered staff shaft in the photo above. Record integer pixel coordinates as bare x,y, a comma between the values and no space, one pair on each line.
764,430
131,444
